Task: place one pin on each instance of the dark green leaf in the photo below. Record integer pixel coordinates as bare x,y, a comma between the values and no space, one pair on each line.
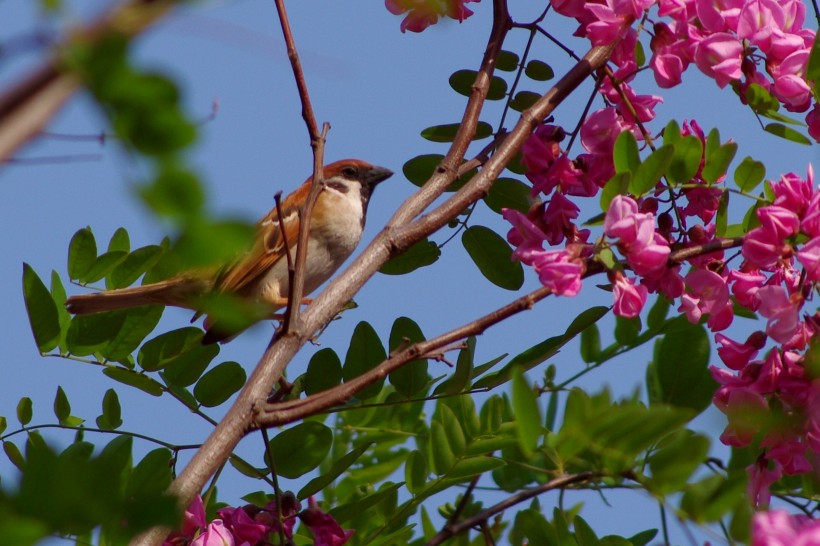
412,377
324,371
584,533
475,466
447,132
590,344
462,82
87,334
62,409
420,254
299,449
760,99
651,170
42,311
686,160
111,410
643,538
82,253
3,424
14,455
749,174
524,100
682,363
527,414
219,384
415,472
507,61
166,348
539,71
676,459
508,193
339,466
625,153
420,168
717,162
186,369
134,379
441,456
722,216
787,133
813,66
365,353
627,330
463,372
103,265
711,498
657,314
120,241
493,256
134,265
138,323
24,410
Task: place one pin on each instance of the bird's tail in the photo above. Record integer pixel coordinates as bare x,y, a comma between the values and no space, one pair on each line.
178,292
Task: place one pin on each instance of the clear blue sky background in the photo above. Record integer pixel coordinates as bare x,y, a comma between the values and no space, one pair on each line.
378,88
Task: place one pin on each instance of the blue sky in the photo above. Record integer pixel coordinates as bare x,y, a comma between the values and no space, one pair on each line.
378,88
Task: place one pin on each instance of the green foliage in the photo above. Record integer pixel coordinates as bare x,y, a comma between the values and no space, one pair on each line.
462,82
420,254
508,193
447,133
219,384
493,257
365,352
539,71
42,311
299,449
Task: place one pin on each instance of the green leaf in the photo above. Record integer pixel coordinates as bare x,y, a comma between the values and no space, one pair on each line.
14,455
82,253
134,379
364,354
617,185
625,153
462,82
175,193
584,533
111,411
3,424
457,382
590,344
447,132
524,100
415,472
676,459
671,133
749,174
42,311
420,254
508,193
722,216
420,168
87,334
539,71
24,410
134,265
527,414
299,449
186,369
412,377
219,384
137,324
441,456
337,468
627,330
813,66
643,538
712,498
717,162
205,244
120,241
493,256
62,409
778,129
103,265
651,170
640,54
682,371
657,314
469,467
506,61
179,349
324,371
686,160
760,100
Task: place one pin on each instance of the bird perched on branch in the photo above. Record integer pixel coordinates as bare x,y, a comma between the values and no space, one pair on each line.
261,275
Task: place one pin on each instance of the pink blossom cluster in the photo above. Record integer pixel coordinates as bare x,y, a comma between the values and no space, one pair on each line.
254,526
779,528
423,13
737,42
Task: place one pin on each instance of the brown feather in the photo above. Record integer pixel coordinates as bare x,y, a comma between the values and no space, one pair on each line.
178,291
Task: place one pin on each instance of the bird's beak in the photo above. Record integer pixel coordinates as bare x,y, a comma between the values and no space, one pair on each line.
376,175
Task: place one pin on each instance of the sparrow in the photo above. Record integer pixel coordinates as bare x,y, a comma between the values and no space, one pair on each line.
261,274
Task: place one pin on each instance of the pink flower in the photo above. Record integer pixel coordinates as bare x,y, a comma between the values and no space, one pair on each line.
719,15
649,258
601,129
758,18
558,218
762,248
813,121
423,13
736,355
719,57
783,316
782,222
326,532
671,56
560,270
778,528
708,295
527,237
793,192
629,298
541,148
242,526
569,8
809,256
761,479
216,534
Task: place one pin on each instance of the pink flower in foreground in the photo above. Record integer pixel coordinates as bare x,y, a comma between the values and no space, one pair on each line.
779,528
708,295
813,121
601,129
560,270
216,534
719,57
629,298
809,256
736,355
783,316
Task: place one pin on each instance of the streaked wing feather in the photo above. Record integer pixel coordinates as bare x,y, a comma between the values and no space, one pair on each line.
269,246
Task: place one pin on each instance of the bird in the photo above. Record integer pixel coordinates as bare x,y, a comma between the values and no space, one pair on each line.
261,274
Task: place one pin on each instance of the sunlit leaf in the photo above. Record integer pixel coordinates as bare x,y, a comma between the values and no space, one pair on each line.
650,171
787,133
82,253
749,174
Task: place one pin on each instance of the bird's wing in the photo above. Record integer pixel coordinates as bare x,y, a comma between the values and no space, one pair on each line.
268,247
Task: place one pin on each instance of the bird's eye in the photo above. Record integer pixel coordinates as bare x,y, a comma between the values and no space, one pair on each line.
349,172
